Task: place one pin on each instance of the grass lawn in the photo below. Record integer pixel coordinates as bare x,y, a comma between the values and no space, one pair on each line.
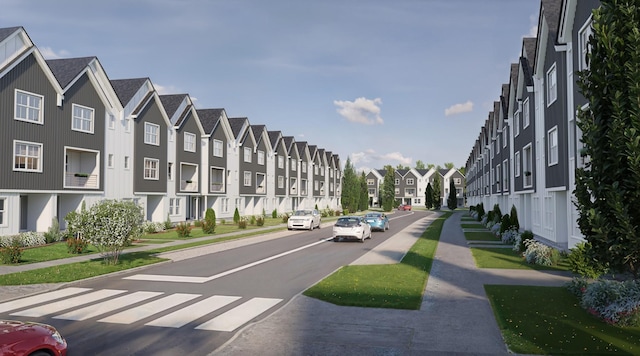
398,286
468,218
480,236
509,259
550,321
473,226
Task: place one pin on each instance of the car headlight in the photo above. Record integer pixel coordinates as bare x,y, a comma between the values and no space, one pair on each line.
59,339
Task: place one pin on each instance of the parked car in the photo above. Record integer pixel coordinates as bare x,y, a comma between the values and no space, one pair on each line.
377,221
351,228
307,219
32,339
404,207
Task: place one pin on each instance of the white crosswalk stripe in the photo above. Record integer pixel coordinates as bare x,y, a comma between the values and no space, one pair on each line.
112,305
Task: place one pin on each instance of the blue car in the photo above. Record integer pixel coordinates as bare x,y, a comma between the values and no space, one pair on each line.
377,221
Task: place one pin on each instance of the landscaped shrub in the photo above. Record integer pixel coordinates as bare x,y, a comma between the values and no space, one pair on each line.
183,229
490,217
242,224
510,236
577,286
32,238
197,223
480,210
505,223
209,224
76,244
260,221
236,216
497,214
582,264
149,227
519,245
11,250
274,214
540,254
285,217
53,234
252,220
168,225
495,228
514,218
615,302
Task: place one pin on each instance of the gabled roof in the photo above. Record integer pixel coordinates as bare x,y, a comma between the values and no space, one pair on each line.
302,148
288,144
126,88
8,31
209,119
171,103
274,138
258,131
237,125
65,70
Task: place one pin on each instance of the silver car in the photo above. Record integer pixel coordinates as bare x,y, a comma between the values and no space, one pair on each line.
307,219
351,228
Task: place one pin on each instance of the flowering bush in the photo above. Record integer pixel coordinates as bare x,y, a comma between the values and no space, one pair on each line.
24,239
509,237
183,229
151,227
495,228
540,254
578,286
615,302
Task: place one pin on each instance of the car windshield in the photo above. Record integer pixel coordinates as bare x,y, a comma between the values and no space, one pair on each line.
372,216
302,212
347,222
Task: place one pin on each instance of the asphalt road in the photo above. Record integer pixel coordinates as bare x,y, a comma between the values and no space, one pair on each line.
193,306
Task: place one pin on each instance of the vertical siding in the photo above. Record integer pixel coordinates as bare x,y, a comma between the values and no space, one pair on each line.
555,116
151,113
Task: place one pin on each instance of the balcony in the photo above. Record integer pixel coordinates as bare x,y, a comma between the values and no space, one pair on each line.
82,169
188,185
188,178
216,177
81,180
216,187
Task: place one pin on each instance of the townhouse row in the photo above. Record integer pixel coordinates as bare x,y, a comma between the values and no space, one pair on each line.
411,185
528,150
69,134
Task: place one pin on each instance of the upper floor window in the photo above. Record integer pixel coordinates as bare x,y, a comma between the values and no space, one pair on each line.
247,154
82,119
126,162
127,125
29,107
315,170
552,85
294,165
457,181
112,121
261,158
410,181
370,182
189,142
247,178
525,113
304,167
516,162
151,134
505,136
151,168
2,212
583,44
396,181
552,141
217,148
280,162
27,156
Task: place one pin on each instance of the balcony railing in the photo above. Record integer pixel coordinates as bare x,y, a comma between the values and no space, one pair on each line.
217,187
189,185
81,180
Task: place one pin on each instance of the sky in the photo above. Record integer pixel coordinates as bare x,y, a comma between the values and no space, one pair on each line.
381,82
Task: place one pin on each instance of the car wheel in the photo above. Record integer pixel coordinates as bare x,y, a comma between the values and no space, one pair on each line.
335,239
39,353
386,227
362,239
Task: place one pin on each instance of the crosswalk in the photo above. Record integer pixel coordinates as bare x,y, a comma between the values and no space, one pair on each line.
153,308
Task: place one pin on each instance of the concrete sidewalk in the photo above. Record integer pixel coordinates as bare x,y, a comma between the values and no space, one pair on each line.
455,318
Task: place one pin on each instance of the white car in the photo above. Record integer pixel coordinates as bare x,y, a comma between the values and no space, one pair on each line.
307,219
351,227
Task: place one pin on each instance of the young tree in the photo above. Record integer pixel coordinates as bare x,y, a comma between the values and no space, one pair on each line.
452,200
389,189
437,189
209,224
428,197
364,193
449,165
109,225
420,165
607,188
350,187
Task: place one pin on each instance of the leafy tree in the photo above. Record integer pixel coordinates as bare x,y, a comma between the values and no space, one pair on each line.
350,188
452,199
364,193
462,170
420,165
449,165
209,224
109,225
389,189
428,197
608,187
431,165
437,189
400,166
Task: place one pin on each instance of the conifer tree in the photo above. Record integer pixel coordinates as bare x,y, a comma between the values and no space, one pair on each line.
452,199
428,197
389,189
437,199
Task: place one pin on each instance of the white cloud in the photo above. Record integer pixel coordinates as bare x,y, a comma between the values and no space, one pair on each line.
164,90
379,160
398,157
459,108
362,110
49,53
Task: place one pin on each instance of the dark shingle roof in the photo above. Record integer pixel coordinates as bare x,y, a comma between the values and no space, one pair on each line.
7,31
65,70
257,132
274,138
552,9
171,102
301,145
209,118
126,88
529,51
237,123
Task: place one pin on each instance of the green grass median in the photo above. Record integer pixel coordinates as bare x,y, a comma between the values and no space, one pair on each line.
398,286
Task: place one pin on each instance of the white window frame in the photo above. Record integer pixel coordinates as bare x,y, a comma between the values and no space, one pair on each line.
247,154
247,179
127,125
505,136
151,134
29,108
28,156
303,166
189,142
396,181
552,146
552,85
516,124
110,162
260,158
112,122
170,171
516,160
294,164
457,181
583,43
280,182
371,181
281,162
527,164
174,206
3,211
81,117
126,162
526,118
505,175
151,169
410,181
218,148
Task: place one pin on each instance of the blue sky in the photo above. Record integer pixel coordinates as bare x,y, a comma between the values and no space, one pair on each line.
379,81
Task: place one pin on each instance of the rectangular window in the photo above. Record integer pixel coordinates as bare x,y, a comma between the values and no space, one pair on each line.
170,170
127,125
516,161
396,181
217,148
27,156
410,181
505,136
82,119
189,142
396,191
174,206
315,185
247,179
457,181
112,121
29,107
525,114
110,160
516,124
247,154
552,85
294,164
497,178
583,43
2,212
370,182
280,162
304,167
126,162
505,176
315,170
280,182
552,142
151,168
151,134
527,165
170,133
261,158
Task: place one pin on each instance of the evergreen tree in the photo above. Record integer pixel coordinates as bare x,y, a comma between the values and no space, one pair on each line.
607,188
350,188
364,193
209,224
428,197
437,199
236,216
389,189
420,165
452,200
